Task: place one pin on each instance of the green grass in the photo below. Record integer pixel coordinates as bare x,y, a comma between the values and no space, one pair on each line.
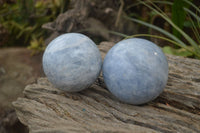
191,45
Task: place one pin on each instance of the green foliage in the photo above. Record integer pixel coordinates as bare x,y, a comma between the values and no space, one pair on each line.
191,45
37,45
178,15
26,8
179,52
23,20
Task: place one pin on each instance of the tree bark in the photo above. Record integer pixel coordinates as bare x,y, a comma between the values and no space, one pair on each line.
48,109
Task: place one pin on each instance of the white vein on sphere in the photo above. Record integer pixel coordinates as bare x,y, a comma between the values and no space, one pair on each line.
55,48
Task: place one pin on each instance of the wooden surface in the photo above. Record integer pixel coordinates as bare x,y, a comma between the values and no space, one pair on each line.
47,109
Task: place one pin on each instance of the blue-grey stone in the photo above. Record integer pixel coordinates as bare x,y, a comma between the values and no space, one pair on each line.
135,71
72,62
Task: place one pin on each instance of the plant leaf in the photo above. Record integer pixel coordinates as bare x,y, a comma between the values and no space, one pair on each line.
178,16
182,44
178,52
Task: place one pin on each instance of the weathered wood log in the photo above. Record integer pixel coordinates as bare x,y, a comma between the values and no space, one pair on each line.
48,109
93,18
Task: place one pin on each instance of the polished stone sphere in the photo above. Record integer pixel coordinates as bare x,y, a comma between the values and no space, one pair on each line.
135,71
72,62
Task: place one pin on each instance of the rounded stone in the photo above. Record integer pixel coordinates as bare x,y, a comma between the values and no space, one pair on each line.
135,71
72,62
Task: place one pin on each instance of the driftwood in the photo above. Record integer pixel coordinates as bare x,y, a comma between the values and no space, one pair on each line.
47,109
93,18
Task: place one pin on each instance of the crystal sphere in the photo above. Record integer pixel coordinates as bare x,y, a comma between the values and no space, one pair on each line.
135,71
72,62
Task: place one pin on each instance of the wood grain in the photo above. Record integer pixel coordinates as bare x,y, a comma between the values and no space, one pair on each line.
48,109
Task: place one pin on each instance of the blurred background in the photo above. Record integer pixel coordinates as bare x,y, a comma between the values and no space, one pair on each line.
27,26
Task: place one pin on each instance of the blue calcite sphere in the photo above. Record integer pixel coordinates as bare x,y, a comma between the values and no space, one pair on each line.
72,62
135,71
